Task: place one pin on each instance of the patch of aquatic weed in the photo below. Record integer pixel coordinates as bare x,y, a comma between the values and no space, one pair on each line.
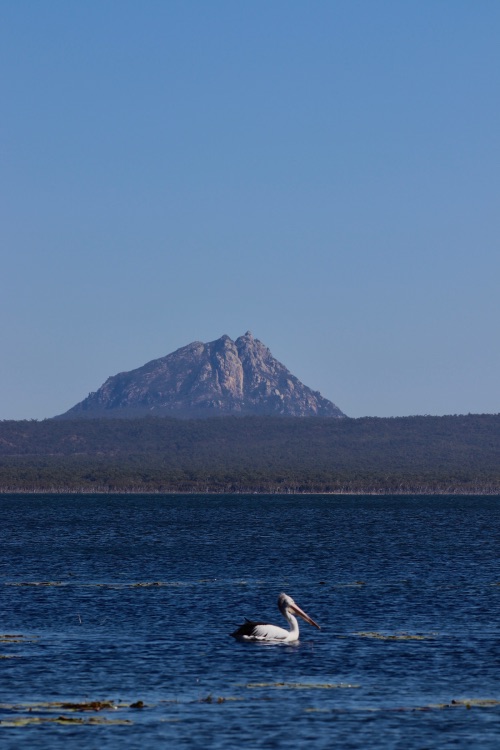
11,640
455,704
17,638
25,721
399,636
40,713
465,703
146,584
212,699
80,584
348,585
35,583
301,685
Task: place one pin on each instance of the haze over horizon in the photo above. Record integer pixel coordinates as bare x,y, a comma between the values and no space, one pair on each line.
324,174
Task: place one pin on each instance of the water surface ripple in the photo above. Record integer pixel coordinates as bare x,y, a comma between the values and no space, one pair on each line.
131,598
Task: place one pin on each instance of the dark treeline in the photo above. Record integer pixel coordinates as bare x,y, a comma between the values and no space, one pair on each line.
253,454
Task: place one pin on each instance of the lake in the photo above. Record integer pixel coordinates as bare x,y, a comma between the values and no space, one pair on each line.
116,613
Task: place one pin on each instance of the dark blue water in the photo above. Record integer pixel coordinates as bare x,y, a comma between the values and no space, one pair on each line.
407,591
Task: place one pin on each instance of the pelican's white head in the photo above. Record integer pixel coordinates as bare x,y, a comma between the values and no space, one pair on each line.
287,605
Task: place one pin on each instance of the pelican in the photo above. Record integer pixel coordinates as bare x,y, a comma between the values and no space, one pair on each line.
261,631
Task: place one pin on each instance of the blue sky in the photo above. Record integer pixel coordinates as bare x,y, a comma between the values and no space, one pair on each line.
323,173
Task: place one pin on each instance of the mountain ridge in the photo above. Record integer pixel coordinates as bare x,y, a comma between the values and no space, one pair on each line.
218,378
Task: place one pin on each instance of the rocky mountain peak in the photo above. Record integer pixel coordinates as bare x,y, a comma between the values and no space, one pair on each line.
213,379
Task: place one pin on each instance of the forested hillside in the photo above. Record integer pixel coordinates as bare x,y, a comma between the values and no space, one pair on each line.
268,454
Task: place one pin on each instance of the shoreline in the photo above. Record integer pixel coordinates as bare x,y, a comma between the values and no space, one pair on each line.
459,492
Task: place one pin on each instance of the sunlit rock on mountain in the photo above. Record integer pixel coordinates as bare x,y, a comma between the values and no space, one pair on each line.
202,380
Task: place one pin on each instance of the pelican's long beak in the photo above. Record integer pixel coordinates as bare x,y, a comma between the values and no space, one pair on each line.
298,611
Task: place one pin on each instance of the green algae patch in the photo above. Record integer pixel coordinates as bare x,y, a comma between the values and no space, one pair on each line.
396,636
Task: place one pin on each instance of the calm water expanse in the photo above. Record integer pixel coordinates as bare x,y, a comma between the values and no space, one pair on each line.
131,598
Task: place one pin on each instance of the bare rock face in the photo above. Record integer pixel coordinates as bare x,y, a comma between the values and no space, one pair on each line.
201,380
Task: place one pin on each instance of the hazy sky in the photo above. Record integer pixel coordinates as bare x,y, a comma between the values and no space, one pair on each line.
324,173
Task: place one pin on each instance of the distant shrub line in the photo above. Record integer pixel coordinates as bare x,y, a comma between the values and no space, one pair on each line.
454,454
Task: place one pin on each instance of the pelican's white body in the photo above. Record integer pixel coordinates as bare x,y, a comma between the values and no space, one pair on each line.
274,633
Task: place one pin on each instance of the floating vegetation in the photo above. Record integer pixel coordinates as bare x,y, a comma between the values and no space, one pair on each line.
107,585
24,721
302,685
91,706
352,584
36,583
207,699
146,585
11,639
468,703
211,699
401,636
57,706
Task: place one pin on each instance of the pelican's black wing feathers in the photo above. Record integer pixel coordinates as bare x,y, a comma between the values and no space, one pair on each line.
247,629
